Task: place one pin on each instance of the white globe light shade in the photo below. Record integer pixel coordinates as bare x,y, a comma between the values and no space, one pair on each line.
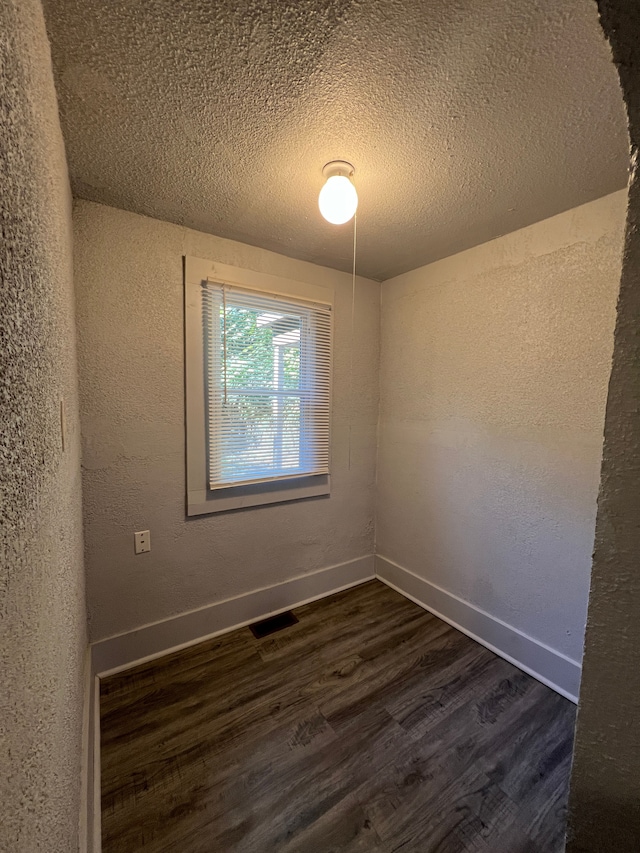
338,200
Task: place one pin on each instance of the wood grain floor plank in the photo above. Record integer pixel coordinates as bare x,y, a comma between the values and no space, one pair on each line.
369,725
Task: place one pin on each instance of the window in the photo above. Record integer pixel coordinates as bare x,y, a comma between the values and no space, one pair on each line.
267,385
258,388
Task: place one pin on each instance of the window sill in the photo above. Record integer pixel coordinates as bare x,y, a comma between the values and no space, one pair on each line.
256,494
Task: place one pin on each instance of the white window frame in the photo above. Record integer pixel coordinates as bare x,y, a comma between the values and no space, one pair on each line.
201,499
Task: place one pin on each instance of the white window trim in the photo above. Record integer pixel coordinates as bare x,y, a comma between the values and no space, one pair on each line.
200,499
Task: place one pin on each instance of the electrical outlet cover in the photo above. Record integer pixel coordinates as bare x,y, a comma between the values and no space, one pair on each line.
142,541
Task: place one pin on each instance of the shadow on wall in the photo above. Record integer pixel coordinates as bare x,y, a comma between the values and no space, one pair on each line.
604,803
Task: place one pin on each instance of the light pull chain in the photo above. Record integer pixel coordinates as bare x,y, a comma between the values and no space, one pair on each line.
353,315
224,339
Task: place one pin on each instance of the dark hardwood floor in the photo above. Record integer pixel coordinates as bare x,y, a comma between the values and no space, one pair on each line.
368,726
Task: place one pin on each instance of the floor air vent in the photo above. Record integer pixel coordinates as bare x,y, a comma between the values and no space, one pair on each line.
273,624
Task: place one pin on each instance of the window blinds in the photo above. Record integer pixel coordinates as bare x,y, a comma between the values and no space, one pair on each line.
268,385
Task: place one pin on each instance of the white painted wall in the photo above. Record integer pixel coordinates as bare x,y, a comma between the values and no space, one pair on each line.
42,611
494,371
128,274
605,775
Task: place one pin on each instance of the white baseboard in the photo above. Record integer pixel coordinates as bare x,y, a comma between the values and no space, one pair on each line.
95,815
86,759
160,638
90,819
539,660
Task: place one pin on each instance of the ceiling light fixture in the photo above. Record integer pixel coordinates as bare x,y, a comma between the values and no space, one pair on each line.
338,198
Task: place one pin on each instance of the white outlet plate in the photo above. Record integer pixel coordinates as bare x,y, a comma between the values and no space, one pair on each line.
142,541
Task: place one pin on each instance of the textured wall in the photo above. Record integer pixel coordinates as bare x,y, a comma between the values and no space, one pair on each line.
605,785
464,119
129,288
42,622
494,369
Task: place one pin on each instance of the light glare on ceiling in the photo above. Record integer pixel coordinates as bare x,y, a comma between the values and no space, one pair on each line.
338,198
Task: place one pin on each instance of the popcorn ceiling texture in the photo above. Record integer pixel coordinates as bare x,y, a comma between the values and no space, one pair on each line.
604,812
464,120
493,379
42,618
129,286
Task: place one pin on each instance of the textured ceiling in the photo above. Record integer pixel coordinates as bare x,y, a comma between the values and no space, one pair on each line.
465,120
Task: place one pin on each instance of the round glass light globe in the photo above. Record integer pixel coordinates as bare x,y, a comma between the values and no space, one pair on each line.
338,200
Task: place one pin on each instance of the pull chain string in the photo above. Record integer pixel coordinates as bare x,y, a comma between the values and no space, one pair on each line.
224,339
353,315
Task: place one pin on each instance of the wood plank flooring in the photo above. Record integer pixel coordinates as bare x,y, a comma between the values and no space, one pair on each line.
368,726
